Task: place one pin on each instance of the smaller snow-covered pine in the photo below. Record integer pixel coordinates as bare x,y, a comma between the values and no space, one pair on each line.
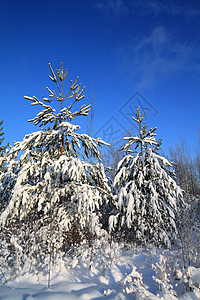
147,194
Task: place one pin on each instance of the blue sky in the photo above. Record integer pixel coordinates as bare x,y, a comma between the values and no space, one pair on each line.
132,53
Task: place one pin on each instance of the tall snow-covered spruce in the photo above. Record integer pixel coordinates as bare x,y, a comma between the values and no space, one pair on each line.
147,194
3,150
50,186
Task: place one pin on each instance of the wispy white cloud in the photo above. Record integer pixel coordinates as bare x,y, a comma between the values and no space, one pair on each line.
146,7
170,7
155,56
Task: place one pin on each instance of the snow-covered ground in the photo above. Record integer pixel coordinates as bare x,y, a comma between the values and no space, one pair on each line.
129,275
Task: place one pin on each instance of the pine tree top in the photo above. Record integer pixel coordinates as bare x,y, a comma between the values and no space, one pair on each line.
2,148
75,93
67,140
145,137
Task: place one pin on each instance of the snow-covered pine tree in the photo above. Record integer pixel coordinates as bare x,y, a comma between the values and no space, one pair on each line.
2,161
2,148
49,185
147,194
1,137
